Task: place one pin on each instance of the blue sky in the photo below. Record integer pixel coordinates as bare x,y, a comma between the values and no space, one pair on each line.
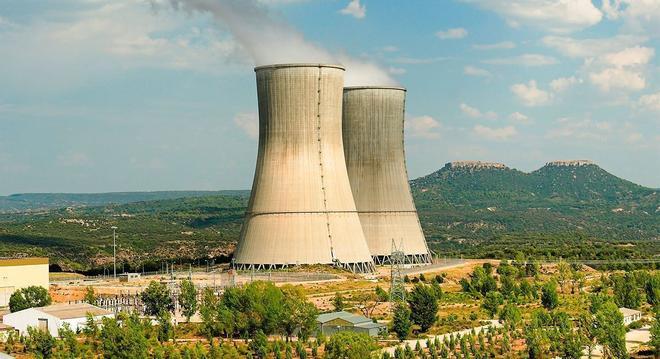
144,95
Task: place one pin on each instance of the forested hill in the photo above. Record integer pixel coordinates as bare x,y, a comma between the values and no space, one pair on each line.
570,209
23,202
558,183
472,205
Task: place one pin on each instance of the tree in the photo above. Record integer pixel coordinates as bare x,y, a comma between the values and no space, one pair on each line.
401,323
209,311
188,299
511,315
299,314
90,296
626,293
563,273
338,302
156,298
652,289
382,294
349,345
259,345
366,302
423,306
549,297
127,340
437,290
40,342
610,331
492,302
655,335
29,297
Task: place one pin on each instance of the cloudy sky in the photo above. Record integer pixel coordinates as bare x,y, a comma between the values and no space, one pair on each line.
129,95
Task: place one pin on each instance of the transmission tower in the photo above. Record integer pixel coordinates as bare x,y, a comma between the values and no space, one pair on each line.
397,259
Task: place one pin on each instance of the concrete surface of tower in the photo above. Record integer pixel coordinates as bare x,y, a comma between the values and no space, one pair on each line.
373,125
301,209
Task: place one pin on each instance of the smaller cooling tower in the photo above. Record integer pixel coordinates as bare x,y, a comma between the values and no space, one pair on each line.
375,159
301,209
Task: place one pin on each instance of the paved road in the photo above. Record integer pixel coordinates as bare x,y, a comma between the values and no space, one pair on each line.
422,342
441,264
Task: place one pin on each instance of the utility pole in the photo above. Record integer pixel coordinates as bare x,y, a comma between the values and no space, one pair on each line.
114,251
397,288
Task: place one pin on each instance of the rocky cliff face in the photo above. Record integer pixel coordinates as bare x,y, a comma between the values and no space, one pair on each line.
475,165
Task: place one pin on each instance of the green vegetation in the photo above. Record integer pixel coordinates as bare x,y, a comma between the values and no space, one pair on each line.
555,212
29,297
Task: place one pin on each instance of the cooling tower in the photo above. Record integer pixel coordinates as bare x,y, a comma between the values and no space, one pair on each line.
301,209
375,159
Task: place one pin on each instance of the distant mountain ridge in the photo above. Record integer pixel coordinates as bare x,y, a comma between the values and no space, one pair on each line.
44,201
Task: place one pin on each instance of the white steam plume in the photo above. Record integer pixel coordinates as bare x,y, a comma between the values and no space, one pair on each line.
269,40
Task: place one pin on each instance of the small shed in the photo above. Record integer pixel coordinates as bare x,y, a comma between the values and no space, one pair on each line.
630,315
330,323
53,317
129,277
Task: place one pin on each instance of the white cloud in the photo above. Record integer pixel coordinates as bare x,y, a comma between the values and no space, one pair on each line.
105,39
650,102
476,113
496,46
631,56
476,71
519,118
581,48
355,9
455,33
563,83
491,133
553,15
530,94
524,60
634,137
390,48
618,79
423,127
249,123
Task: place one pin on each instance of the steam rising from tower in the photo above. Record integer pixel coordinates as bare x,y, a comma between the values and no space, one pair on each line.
301,209
373,144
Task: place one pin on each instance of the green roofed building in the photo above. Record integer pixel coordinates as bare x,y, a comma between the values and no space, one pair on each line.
330,323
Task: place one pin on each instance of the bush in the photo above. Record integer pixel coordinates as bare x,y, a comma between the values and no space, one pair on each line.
29,297
350,345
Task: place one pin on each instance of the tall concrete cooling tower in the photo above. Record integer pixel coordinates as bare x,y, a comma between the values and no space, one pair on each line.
301,209
375,158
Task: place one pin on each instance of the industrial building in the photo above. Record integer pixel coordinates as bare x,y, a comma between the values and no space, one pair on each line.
373,136
301,209
331,323
53,317
17,273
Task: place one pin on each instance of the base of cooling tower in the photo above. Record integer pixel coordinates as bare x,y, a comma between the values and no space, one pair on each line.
361,267
410,259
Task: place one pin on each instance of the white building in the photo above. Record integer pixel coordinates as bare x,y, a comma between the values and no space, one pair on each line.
630,315
17,273
54,316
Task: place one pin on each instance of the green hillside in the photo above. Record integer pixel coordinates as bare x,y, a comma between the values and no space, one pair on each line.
43,201
570,210
482,209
